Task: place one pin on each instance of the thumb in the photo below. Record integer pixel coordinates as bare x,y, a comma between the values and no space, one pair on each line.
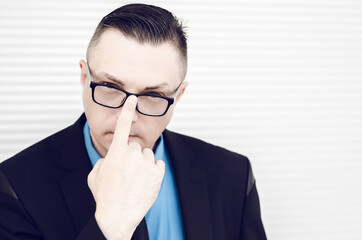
92,175
160,166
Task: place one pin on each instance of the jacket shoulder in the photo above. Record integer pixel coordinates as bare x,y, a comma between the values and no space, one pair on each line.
43,156
201,147
38,152
219,162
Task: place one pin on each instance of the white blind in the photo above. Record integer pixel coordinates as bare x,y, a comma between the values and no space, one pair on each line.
279,81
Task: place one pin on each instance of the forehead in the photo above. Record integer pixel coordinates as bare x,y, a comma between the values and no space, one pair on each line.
136,63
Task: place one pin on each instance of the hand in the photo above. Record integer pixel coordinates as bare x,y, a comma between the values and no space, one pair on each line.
125,183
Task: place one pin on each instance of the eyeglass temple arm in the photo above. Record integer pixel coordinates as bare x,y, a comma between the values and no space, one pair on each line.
178,90
89,77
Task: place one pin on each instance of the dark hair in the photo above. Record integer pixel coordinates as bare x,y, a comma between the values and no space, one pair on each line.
146,24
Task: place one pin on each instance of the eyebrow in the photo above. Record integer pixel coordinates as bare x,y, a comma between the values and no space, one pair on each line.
119,82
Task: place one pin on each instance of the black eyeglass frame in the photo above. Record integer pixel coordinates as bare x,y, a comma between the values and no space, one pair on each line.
93,85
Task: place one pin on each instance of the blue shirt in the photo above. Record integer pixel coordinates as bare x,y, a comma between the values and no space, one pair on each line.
164,219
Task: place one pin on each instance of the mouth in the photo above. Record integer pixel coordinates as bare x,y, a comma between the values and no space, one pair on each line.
131,135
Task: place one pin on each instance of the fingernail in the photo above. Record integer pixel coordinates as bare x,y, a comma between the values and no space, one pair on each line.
132,99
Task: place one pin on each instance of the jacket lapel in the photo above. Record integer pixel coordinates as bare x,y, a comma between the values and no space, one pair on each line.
192,188
75,160
141,232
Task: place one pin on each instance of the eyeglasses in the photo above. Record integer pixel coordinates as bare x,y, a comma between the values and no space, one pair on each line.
109,95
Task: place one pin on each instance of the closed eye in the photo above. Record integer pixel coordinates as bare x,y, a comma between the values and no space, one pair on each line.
108,84
156,94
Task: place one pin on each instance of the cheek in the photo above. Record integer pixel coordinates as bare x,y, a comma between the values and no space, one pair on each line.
100,119
101,125
153,127
87,99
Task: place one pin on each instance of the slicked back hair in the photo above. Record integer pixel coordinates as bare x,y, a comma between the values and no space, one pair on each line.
145,24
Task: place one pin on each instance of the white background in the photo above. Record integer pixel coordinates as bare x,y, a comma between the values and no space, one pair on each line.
279,81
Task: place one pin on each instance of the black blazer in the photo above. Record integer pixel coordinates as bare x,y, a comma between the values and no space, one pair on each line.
44,192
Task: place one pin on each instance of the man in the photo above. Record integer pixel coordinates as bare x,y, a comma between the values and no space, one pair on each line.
117,173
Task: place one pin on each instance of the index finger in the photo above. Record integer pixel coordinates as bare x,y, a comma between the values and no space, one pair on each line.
124,122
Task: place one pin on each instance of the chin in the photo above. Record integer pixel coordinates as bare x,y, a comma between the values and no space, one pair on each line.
107,140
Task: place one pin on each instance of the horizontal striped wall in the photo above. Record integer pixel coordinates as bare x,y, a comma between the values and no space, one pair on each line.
279,81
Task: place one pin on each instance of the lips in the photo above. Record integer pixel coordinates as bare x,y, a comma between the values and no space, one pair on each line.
130,136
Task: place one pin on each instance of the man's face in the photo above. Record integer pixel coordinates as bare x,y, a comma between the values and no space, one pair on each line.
136,68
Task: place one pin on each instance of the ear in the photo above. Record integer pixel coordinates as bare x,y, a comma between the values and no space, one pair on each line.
83,73
182,91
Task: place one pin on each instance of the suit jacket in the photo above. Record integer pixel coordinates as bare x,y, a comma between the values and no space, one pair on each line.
44,192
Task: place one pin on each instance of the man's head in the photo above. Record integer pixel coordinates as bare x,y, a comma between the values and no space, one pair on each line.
140,49
146,24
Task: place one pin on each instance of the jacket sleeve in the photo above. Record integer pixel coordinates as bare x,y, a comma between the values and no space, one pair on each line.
91,231
252,226
16,224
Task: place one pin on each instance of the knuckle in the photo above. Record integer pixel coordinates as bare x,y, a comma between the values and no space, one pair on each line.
90,180
148,153
98,163
161,166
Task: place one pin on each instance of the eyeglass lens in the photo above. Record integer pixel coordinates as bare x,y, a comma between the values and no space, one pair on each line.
111,97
